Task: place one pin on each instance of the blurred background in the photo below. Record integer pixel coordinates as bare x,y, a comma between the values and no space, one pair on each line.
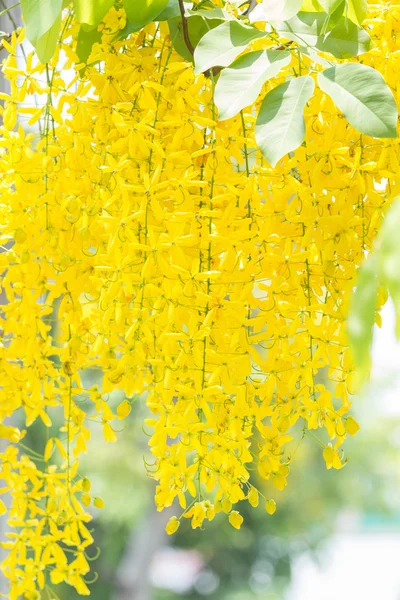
335,533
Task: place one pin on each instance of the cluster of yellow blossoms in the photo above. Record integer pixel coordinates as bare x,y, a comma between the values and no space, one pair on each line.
146,240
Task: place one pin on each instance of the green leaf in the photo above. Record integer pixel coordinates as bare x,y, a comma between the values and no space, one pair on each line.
141,12
389,257
315,57
271,10
344,41
280,126
311,6
39,17
334,10
85,42
239,85
222,45
330,6
173,10
47,43
197,28
364,98
212,13
91,12
357,10
361,317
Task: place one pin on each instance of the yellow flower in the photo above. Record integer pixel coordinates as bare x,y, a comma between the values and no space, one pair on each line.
98,502
253,497
332,458
351,426
172,525
180,266
86,485
270,507
86,499
123,409
235,519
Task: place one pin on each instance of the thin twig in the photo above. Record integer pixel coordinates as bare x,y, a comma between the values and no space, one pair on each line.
252,5
3,12
7,38
7,10
185,28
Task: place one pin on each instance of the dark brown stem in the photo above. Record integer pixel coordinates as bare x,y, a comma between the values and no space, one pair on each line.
185,28
7,38
252,5
283,46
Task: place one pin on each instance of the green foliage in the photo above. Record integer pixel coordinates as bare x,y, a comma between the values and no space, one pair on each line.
334,11
345,40
91,12
382,269
218,39
362,316
141,12
172,10
330,7
39,17
221,46
43,20
240,84
47,43
356,10
388,257
212,13
197,28
362,95
85,42
280,125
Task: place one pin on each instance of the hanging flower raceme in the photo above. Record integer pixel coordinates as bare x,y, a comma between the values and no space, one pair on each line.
147,241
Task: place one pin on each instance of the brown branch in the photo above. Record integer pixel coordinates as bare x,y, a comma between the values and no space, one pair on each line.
7,38
283,46
252,5
185,28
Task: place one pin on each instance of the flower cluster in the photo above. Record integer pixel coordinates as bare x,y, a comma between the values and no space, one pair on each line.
146,240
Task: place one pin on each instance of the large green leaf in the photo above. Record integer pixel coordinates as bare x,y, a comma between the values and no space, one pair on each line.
361,317
173,10
357,10
211,13
39,17
334,11
315,57
280,126
91,12
141,12
197,28
364,98
311,6
239,85
85,42
271,10
389,257
47,43
343,41
330,6
222,45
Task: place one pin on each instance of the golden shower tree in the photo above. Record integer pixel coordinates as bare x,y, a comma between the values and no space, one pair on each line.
187,192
